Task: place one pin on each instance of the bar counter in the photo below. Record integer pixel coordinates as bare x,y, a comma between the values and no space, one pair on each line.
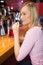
6,47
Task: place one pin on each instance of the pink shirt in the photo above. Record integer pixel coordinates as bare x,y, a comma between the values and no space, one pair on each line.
33,45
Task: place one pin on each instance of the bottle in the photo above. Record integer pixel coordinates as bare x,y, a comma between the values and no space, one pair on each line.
2,28
8,29
2,31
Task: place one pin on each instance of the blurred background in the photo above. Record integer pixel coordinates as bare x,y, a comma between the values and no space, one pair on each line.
16,4
9,12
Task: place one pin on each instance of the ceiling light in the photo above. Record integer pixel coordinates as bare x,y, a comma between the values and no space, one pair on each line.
2,1
21,1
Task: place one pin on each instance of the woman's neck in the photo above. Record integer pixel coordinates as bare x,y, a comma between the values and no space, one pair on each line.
30,25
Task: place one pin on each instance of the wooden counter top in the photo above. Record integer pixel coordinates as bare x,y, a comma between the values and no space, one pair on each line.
6,44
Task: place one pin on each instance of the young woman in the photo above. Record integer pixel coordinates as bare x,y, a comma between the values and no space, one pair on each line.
33,41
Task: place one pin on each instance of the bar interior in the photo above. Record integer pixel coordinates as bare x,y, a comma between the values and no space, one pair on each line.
9,14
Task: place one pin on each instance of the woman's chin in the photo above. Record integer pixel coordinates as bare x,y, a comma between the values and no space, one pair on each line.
24,23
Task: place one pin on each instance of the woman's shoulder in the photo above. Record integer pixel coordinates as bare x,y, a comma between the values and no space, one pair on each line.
34,29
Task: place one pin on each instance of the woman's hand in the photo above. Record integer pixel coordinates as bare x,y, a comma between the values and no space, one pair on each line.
15,28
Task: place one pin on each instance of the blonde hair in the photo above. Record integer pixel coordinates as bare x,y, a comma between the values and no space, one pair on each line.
33,12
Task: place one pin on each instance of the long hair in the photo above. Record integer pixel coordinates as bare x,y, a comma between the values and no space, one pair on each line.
33,12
